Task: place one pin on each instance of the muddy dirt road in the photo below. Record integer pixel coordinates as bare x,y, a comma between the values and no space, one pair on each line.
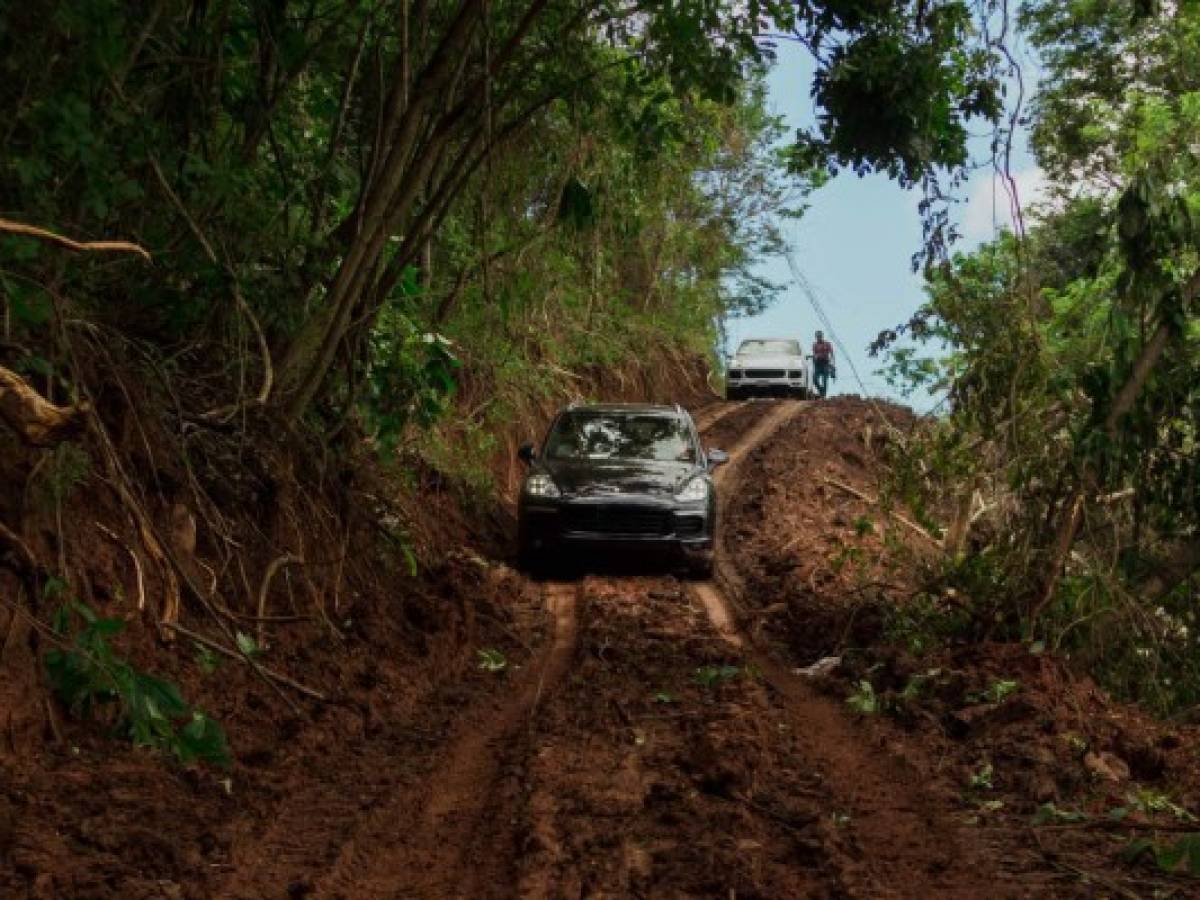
614,735
645,747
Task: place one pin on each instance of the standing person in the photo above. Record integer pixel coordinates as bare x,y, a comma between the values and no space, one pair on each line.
823,368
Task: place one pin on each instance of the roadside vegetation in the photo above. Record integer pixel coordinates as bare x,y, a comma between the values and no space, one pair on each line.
1068,449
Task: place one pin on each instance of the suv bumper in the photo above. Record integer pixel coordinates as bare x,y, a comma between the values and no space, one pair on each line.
601,524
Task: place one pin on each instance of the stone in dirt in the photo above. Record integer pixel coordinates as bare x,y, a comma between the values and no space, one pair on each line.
822,668
1107,766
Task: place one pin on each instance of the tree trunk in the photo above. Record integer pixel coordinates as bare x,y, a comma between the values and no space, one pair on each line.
1177,568
1072,515
387,197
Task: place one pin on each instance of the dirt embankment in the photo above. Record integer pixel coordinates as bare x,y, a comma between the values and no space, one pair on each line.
394,657
1044,770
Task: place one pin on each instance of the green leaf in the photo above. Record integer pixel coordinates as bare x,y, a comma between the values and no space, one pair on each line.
711,676
1178,857
92,672
1049,813
247,645
1182,856
208,661
864,700
202,738
165,696
491,660
54,587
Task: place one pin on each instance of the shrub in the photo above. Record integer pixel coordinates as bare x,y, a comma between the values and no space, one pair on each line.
86,672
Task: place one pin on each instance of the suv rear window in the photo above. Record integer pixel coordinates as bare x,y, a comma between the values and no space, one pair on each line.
598,435
775,348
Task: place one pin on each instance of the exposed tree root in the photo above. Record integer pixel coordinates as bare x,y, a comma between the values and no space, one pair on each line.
257,666
12,546
7,226
36,421
278,563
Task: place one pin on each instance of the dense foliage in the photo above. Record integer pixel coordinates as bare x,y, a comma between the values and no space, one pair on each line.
303,172
1074,371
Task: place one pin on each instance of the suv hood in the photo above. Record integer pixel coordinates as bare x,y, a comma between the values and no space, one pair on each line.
767,361
616,477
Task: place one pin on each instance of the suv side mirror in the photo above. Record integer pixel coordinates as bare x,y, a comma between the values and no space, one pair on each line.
527,454
717,458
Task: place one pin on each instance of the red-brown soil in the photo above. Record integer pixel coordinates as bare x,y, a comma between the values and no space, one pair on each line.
818,570
640,736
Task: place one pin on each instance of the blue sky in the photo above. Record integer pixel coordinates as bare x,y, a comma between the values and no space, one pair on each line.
855,243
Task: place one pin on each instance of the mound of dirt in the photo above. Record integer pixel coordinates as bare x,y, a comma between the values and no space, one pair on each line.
824,574
809,537
87,818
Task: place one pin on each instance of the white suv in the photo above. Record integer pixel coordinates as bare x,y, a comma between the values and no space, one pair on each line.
768,366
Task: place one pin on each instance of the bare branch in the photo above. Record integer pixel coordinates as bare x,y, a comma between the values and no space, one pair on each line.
7,226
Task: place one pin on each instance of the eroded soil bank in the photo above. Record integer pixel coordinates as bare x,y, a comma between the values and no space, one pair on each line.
633,735
1038,770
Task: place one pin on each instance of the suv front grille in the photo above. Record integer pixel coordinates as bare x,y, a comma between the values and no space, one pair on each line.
616,519
765,373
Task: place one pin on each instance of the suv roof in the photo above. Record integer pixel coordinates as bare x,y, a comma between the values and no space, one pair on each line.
659,408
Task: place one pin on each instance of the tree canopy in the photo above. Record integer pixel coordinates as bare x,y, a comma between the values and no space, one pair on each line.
312,175
1074,350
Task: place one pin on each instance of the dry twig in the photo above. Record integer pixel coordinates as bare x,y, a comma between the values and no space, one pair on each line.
278,563
27,562
874,501
137,563
255,664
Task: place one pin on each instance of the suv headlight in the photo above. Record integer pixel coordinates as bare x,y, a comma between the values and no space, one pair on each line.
696,489
539,484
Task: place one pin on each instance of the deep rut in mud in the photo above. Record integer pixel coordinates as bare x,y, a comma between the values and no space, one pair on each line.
425,833
437,852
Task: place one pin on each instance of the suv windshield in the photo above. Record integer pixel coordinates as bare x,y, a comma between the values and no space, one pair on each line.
782,348
601,435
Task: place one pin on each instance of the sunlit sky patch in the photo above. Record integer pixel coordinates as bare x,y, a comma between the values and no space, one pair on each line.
855,244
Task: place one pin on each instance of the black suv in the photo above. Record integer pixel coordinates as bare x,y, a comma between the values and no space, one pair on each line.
622,476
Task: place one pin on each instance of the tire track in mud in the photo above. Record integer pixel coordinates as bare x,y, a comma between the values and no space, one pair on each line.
902,841
399,819
651,772
715,412
431,847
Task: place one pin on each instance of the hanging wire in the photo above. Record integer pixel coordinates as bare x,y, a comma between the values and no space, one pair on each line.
810,294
